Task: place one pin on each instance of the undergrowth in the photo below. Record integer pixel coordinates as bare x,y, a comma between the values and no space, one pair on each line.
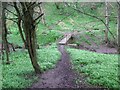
19,74
100,69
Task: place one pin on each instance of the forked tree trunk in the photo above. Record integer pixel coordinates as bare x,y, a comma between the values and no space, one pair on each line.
29,29
4,33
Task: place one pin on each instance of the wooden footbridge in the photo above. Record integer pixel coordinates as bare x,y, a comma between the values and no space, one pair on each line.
66,39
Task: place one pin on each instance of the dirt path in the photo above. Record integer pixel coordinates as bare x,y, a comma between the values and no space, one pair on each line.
62,76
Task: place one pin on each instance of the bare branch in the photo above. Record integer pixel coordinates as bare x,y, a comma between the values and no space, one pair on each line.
93,17
31,4
39,16
56,23
37,22
34,5
16,8
11,12
12,19
10,4
118,2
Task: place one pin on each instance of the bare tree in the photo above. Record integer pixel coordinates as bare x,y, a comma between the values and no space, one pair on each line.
93,16
27,19
29,22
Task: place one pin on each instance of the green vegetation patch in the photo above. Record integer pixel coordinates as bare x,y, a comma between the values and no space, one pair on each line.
20,73
14,36
48,37
100,69
48,56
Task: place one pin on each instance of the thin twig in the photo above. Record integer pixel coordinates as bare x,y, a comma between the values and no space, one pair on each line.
10,4
12,19
10,12
39,16
60,20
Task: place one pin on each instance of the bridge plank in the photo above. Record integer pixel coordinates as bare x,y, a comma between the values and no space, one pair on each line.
66,39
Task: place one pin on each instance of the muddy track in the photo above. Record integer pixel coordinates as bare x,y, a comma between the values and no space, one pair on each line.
62,76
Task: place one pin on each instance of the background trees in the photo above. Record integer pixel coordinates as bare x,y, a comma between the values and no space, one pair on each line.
88,23
100,18
27,15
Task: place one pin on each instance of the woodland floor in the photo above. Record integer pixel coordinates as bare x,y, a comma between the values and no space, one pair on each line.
106,49
62,76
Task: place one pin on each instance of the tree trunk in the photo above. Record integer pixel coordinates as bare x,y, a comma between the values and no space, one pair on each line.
29,29
32,51
2,50
21,33
118,29
107,21
19,24
2,47
4,33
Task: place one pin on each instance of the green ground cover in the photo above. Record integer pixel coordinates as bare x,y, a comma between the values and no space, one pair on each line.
20,73
100,69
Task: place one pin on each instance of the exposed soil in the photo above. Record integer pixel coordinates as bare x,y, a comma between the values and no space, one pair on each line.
99,49
110,48
102,48
62,76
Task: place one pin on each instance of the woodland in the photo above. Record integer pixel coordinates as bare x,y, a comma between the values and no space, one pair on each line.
59,45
